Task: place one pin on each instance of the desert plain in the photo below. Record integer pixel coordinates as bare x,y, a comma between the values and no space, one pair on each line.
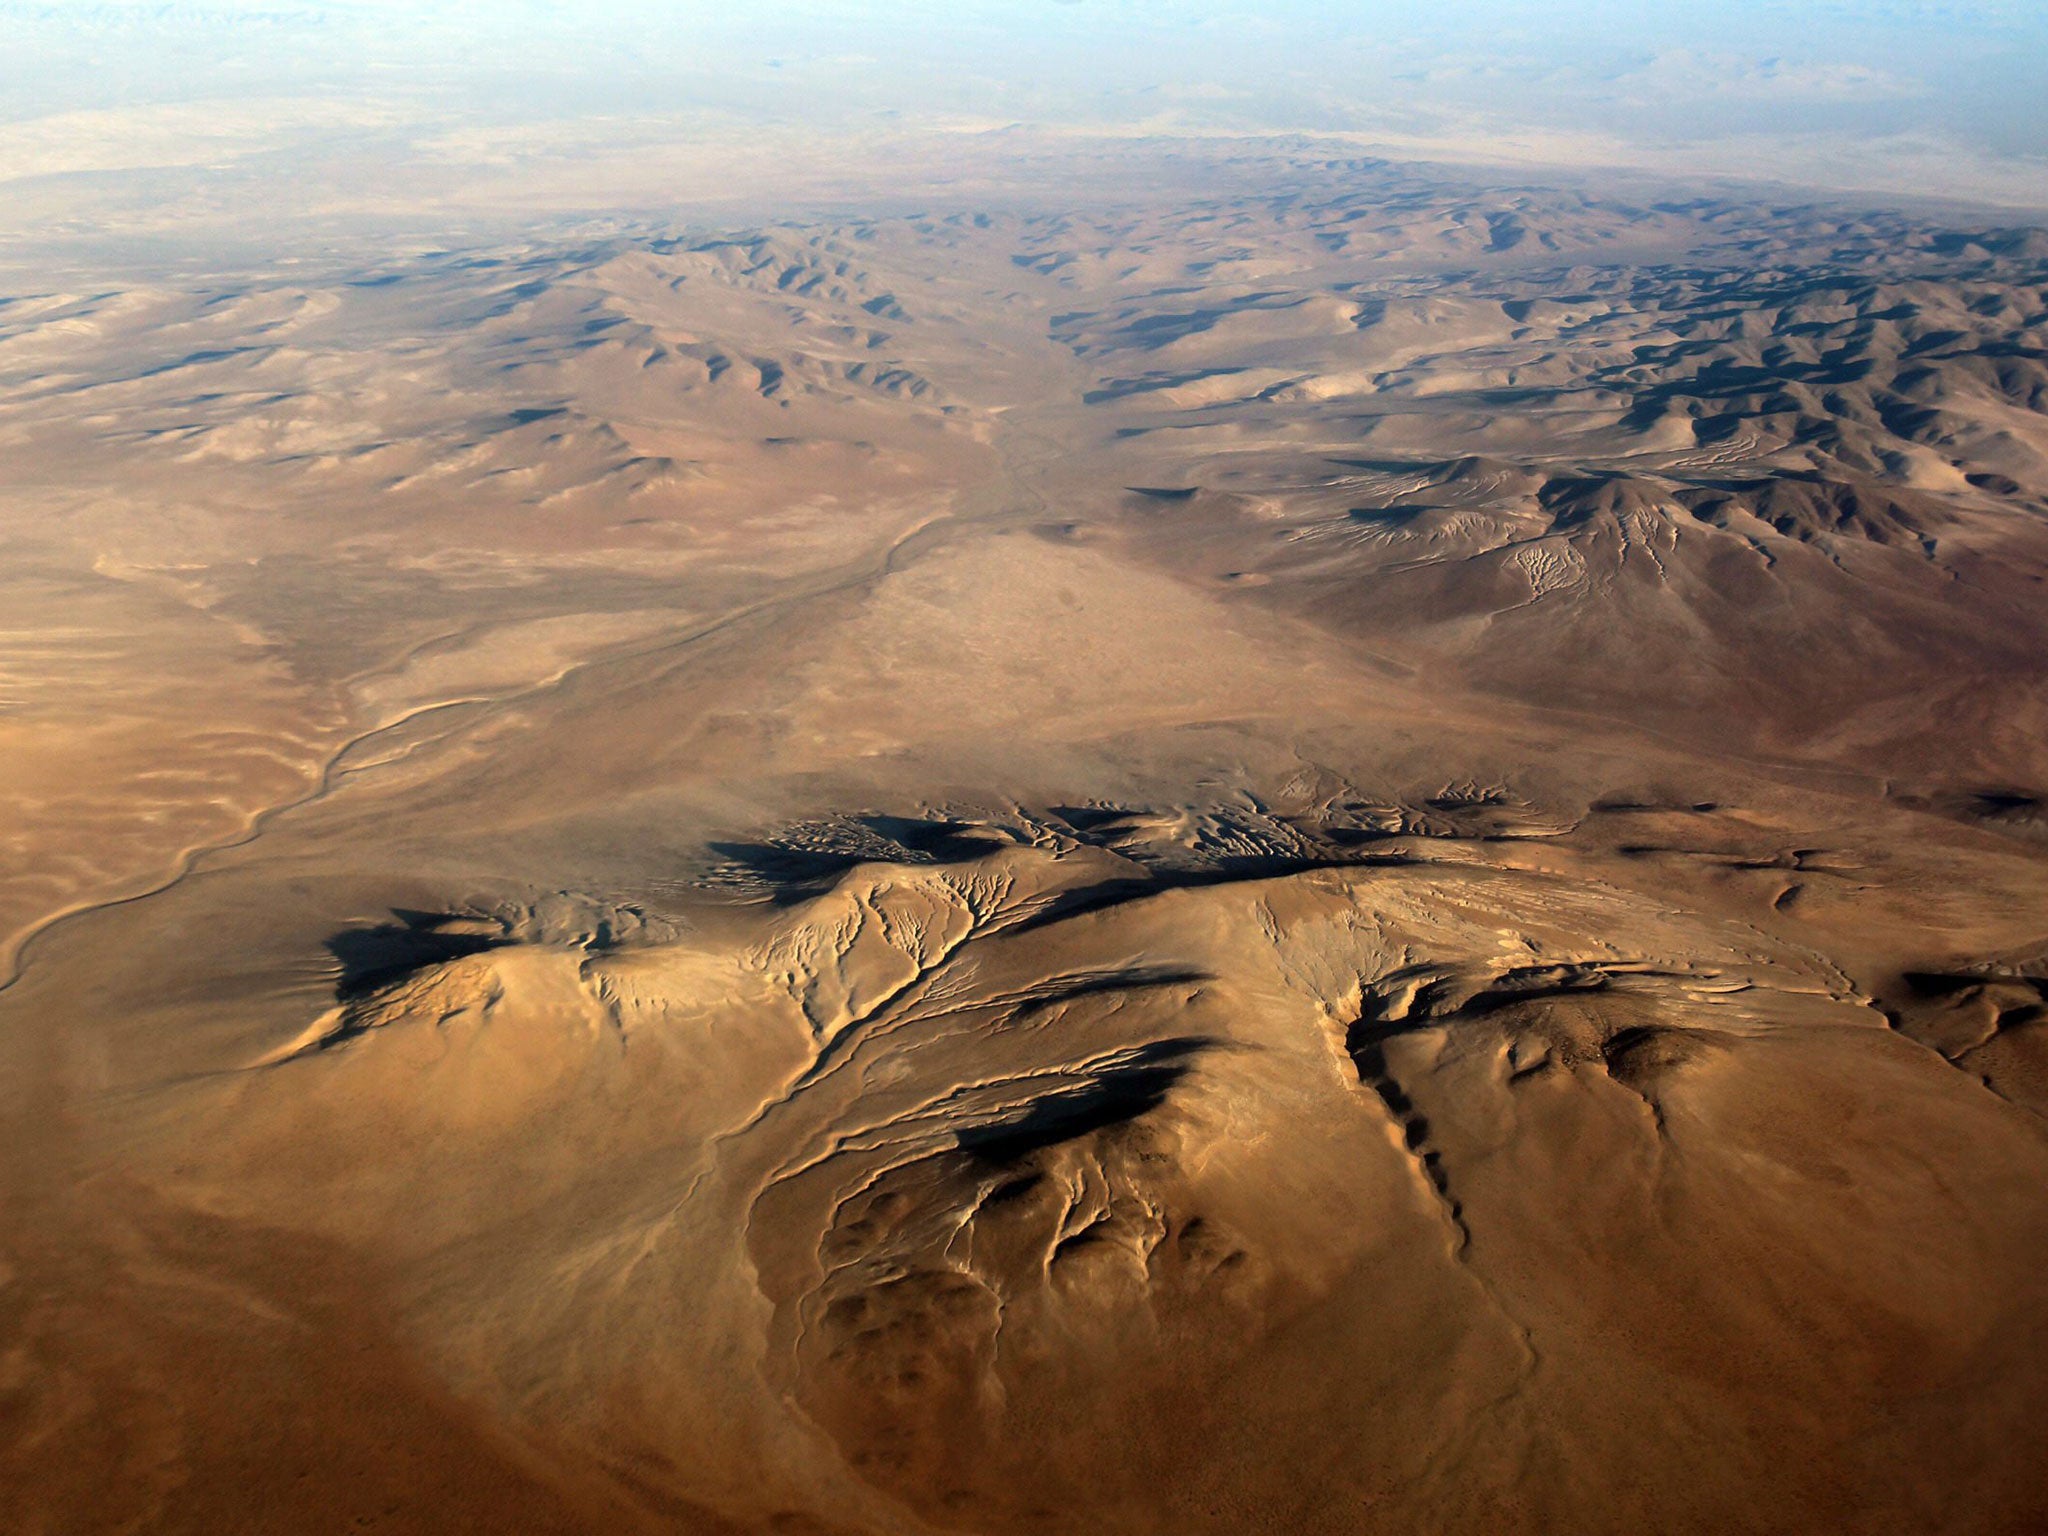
1334,847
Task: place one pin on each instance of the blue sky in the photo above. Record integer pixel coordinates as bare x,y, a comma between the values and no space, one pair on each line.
1915,95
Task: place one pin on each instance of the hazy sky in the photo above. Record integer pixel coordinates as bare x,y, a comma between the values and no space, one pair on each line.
1925,96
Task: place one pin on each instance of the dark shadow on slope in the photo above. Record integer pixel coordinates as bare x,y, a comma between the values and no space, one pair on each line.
934,840
1061,990
805,861
375,957
1115,1096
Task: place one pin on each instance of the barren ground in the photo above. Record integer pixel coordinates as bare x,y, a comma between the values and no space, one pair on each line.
1365,858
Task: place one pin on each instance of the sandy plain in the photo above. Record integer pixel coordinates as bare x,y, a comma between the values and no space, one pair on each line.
1363,857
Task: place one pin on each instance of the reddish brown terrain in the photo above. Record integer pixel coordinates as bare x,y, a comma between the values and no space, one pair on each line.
1369,856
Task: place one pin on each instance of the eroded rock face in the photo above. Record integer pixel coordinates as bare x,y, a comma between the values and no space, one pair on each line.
1030,1176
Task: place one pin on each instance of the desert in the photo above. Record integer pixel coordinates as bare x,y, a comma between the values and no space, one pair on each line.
1254,839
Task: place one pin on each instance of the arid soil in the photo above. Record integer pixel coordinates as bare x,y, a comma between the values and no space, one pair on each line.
1370,857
